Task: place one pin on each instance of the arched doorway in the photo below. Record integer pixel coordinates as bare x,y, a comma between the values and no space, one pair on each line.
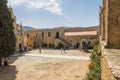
77,45
20,46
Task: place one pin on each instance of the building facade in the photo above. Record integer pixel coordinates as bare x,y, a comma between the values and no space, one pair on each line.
32,38
69,37
19,33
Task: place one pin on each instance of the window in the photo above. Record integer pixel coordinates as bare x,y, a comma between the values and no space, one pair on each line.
57,34
27,35
42,34
36,36
49,34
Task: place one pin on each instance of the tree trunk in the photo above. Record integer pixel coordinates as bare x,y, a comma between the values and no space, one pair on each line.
5,61
0,60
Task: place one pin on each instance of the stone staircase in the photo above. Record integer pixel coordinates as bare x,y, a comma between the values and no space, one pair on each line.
65,41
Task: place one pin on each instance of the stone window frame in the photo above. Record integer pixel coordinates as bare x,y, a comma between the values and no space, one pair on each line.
28,35
42,34
49,34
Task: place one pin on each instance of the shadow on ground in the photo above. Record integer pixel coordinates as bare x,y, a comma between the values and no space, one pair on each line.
15,57
8,72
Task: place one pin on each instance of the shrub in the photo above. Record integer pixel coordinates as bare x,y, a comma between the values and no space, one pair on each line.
86,44
95,65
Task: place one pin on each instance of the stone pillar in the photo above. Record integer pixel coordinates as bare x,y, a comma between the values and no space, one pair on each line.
101,22
114,23
106,20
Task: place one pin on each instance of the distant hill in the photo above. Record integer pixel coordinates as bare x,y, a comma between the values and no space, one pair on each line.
27,28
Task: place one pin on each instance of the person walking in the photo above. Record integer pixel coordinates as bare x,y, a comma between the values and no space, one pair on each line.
40,49
61,50
64,49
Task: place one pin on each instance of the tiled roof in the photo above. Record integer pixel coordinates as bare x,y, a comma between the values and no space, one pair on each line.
82,33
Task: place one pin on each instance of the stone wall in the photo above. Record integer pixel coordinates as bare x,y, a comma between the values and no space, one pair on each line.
33,37
110,39
114,23
106,73
110,22
77,39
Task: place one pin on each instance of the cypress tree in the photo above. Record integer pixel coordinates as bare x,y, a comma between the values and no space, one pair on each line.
7,36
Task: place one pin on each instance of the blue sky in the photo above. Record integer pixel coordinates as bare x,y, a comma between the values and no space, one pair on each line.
56,13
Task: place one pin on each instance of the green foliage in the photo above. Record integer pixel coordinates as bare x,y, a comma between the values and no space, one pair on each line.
95,65
7,36
85,44
95,48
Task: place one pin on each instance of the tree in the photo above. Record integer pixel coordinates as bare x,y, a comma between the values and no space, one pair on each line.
7,36
85,43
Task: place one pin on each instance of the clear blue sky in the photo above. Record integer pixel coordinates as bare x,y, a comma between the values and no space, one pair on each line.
56,13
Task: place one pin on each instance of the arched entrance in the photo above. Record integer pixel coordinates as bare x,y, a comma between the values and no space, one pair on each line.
77,45
20,46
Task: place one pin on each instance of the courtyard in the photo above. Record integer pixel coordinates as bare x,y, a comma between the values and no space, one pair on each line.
48,65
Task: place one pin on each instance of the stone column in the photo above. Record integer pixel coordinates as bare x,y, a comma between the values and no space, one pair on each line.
114,23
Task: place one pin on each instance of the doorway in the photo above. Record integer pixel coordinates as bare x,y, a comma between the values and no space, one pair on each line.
77,45
35,45
20,47
57,34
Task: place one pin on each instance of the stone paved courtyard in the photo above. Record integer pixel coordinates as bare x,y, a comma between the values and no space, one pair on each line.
32,66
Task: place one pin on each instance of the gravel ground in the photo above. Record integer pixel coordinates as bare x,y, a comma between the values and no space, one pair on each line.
24,67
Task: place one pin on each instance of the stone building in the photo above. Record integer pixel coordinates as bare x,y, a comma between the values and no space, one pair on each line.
20,37
110,39
19,33
110,22
69,37
32,38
